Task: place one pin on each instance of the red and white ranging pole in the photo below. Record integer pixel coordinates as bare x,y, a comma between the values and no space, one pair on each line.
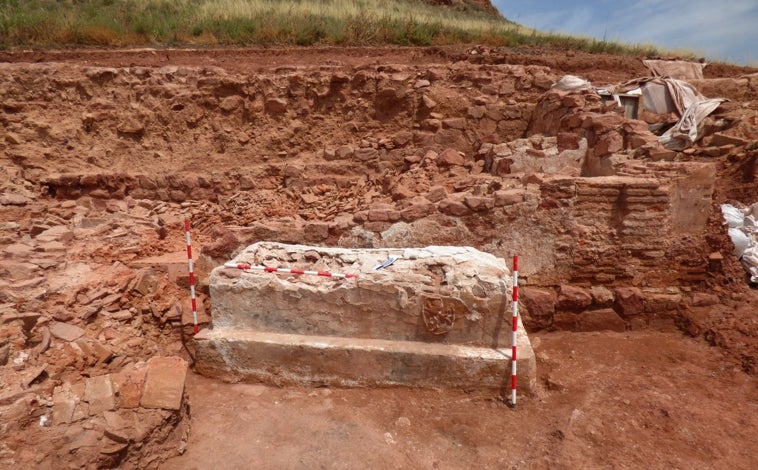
191,274
515,330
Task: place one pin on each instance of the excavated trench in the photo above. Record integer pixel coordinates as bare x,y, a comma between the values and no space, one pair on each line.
613,232
388,156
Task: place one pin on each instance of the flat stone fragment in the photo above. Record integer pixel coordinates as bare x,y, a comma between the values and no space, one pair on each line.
164,383
129,383
99,393
66,331
65,401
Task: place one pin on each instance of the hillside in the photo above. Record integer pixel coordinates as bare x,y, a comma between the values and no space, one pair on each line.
185,23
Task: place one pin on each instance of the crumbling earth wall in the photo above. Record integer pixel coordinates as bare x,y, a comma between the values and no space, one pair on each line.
382,156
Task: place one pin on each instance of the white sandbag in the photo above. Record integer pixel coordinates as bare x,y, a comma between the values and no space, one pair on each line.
750,224
753,210
741,240
733,216
750,261
572,83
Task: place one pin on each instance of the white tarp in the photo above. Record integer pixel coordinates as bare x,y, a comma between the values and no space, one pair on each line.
660,95
663,95
689,129
743,231
680,69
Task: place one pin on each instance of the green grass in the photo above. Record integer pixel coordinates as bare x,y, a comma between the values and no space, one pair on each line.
47,23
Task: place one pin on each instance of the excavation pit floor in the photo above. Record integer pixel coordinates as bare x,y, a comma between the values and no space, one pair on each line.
604,400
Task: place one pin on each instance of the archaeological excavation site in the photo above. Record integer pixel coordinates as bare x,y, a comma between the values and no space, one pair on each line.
347,298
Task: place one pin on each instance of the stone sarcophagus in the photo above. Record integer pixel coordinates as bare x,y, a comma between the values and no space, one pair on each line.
436,317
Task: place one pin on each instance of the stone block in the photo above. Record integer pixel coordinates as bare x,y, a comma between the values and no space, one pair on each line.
316,231
601,296
629,301
359,362
65,401
467,284
568,141
384,214
59,233
94,350
704,299
366,154
507,197
147,281
275,105
720,139
164,383
540,306
454,123
591,320
434,309
479,203
450,157
608,144
573,299
436,194
655,303
453,207
418,210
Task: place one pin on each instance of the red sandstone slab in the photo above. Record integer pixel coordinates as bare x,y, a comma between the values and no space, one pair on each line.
164,383
99,393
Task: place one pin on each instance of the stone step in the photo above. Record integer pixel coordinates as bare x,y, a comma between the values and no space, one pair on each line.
234,354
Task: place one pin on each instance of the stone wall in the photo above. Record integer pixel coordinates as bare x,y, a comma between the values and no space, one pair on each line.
377,156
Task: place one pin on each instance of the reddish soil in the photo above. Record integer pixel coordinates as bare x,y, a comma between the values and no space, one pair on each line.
606,400
677,393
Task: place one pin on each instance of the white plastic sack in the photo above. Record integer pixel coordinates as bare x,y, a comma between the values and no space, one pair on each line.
750,224
741,240
572,83
750,261
733,216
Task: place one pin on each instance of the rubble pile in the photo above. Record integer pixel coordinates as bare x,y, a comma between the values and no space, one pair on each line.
88,342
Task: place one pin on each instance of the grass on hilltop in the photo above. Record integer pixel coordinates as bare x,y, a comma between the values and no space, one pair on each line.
45,23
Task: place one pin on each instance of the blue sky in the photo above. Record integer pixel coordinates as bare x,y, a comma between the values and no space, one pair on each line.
717,29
